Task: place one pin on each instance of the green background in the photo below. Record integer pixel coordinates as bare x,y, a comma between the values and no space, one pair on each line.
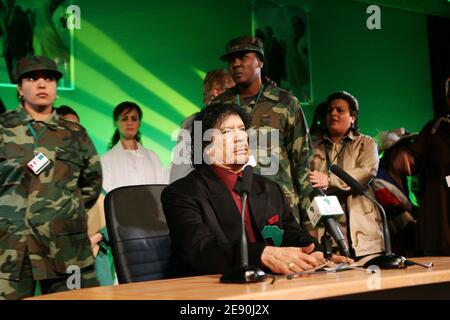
156,53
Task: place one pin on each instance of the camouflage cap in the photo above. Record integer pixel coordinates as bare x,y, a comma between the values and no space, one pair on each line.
244,43
36,63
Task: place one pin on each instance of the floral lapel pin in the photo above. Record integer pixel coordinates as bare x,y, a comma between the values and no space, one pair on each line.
273,219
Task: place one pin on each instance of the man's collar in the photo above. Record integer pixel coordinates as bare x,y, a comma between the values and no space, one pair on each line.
271,92
226,171
211,178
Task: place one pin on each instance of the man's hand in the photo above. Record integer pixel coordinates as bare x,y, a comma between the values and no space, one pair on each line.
341,259
319,255
287,260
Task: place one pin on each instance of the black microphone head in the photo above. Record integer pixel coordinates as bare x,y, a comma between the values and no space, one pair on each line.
247,177
348,179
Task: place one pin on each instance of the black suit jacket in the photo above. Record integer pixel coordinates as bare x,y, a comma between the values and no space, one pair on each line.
205,223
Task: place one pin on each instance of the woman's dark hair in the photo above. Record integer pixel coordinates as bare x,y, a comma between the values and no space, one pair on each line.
126,107
352,103
210,117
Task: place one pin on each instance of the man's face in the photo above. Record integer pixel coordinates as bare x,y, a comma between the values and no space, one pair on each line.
38,90
229,146
244,67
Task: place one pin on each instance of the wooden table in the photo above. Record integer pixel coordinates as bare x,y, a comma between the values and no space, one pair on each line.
347,284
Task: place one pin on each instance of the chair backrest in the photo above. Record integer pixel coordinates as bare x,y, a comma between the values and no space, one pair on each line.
138,233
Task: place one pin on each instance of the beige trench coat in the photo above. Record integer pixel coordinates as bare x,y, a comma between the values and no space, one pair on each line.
359,158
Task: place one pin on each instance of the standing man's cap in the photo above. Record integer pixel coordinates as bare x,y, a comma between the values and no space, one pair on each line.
242,44
36,63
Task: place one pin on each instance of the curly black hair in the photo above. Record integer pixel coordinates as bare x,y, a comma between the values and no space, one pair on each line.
210,117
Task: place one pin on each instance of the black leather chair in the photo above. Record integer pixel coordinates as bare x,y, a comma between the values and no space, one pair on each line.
138,233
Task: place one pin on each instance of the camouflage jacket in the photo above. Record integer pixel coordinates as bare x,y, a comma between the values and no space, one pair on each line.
280,142
44,216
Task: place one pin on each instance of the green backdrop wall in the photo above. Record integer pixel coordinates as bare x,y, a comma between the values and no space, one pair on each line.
387,70
156,52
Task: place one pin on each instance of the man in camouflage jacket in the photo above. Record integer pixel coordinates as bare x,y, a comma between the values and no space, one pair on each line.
281,141
43,216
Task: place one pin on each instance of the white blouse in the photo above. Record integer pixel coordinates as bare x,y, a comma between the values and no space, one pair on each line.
122,167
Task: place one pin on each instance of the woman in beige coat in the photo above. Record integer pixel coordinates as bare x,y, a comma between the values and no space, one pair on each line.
342,144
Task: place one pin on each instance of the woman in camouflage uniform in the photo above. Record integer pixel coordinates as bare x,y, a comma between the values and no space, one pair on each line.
50,174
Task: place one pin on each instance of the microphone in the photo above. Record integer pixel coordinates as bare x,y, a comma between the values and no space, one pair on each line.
325,210
245,273
348,179
246,187
247,178
389,260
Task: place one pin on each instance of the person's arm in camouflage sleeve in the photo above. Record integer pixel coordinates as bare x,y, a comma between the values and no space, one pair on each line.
90,181
299,148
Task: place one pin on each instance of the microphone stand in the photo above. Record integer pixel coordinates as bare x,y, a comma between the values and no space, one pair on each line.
326,244
245,273
332,230
388,260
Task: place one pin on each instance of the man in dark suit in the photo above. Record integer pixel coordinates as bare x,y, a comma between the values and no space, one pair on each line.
203,208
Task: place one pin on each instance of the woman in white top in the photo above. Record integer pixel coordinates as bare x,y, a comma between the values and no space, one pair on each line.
128,162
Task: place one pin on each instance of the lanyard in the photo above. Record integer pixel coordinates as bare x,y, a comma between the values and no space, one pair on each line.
36,136
238,97
330,162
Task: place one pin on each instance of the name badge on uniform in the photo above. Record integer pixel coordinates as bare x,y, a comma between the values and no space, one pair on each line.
448,181
38,163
